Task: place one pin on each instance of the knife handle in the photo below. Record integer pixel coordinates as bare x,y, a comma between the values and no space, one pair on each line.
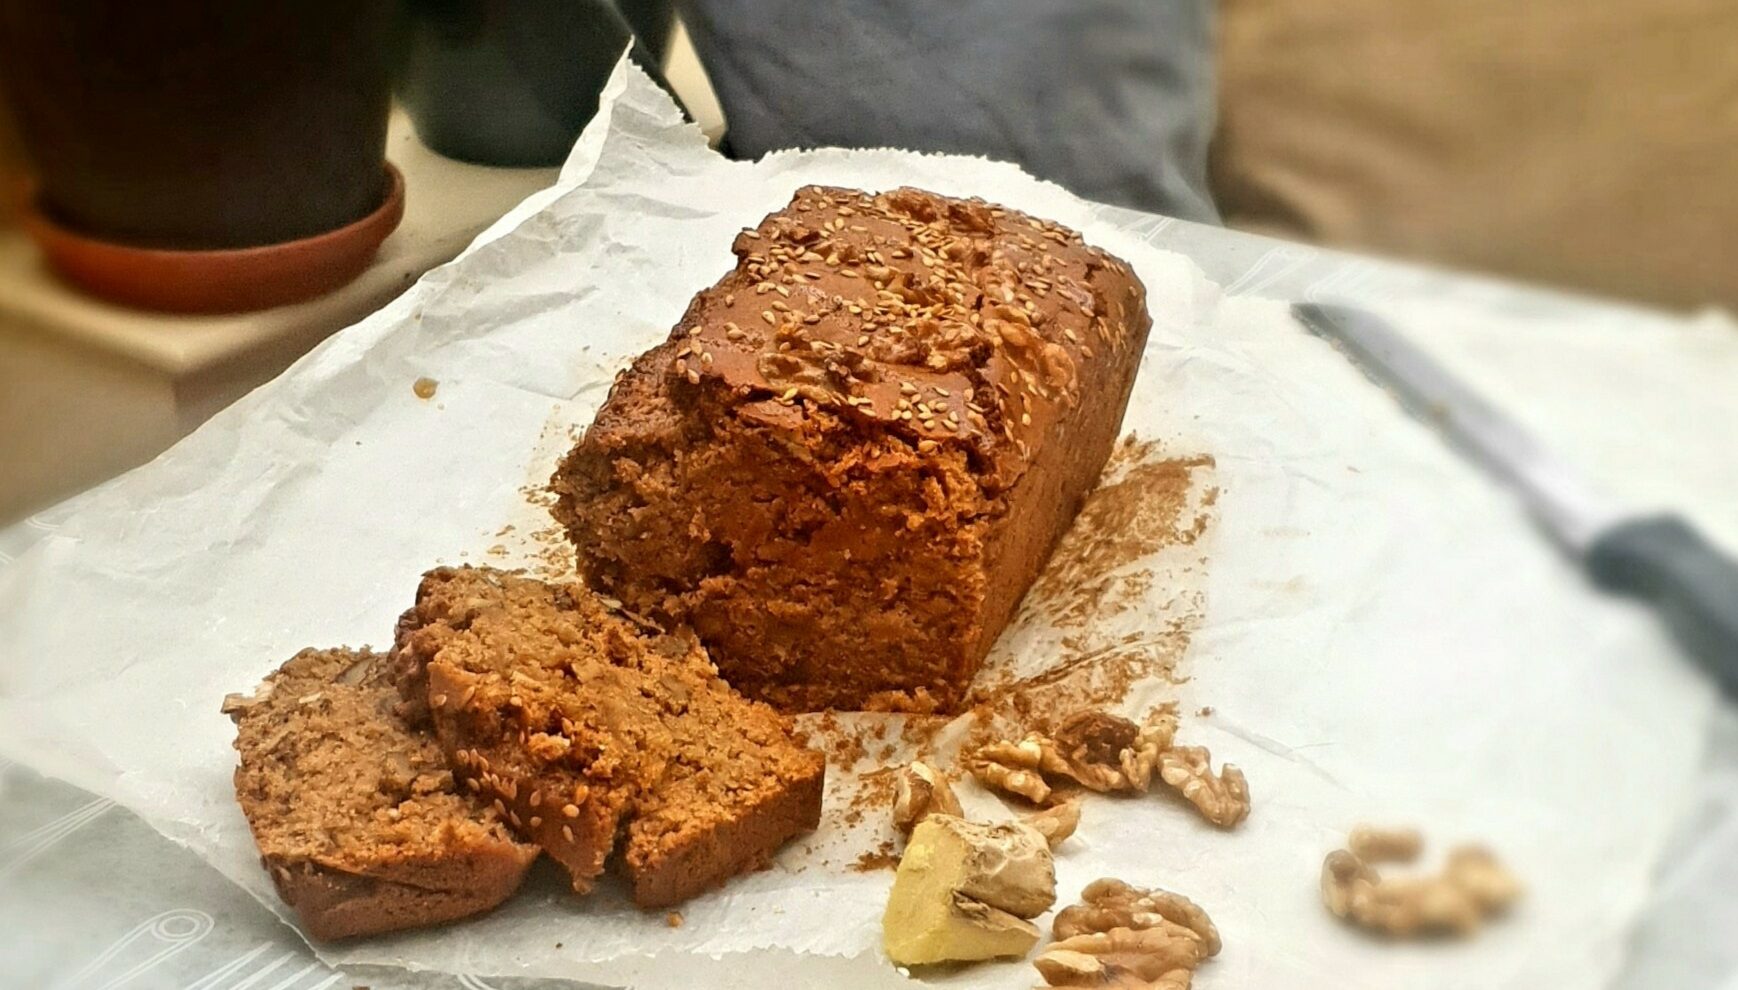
1693,584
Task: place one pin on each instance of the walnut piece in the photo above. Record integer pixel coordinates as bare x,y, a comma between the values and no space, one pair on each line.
1057,822
1385,845
1476,870
1013,767
1110,754
1127,937
920,791
1089,747
1471,887
1222,800
1122,957
1343,874
1106,904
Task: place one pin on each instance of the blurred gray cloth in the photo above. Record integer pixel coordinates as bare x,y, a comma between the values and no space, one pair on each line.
1112,99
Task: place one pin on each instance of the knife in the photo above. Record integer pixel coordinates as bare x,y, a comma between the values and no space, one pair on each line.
1660,558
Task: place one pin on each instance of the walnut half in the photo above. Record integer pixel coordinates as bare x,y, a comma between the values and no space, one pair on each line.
1056,822
920,791
1222,799
1471,887
1110,754
1121,936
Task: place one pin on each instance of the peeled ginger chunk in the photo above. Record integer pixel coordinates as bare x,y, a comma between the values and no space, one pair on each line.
964,891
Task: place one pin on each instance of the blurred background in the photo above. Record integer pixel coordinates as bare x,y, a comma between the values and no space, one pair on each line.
194,193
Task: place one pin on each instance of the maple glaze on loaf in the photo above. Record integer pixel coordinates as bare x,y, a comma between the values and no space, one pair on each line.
855,451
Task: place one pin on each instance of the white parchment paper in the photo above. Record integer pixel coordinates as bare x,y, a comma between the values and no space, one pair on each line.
1383,636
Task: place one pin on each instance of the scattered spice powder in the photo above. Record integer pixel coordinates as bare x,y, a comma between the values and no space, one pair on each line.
1138,509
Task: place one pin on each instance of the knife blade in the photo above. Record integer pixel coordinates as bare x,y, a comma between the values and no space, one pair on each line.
1661,558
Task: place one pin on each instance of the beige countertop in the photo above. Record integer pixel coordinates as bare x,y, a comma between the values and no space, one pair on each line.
89,389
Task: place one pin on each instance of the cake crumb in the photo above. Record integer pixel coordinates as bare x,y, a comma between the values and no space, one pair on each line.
882,857
673,919
425,388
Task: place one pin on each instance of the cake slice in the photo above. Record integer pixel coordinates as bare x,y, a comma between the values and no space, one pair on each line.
582,724
354,811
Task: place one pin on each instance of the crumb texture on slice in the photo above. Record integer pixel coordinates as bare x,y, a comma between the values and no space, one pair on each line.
855,451
354,811
583,724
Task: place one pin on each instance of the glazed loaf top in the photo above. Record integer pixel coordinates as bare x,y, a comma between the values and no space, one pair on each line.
952,322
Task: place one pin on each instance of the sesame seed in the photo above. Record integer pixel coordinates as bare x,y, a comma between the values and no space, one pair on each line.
567,833
570,810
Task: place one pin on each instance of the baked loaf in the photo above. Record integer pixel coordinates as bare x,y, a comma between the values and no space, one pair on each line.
856,450
581,725
355,812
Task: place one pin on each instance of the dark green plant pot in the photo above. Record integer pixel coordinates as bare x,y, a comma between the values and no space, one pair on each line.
201,124
507,82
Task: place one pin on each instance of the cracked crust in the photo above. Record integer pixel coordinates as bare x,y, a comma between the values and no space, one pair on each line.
857,449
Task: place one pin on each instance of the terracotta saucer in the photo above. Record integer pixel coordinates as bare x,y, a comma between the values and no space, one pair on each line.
220,281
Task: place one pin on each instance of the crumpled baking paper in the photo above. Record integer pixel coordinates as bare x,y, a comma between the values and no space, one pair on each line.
1381,636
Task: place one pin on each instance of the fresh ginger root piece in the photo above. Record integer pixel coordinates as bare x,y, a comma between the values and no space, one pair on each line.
964,891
